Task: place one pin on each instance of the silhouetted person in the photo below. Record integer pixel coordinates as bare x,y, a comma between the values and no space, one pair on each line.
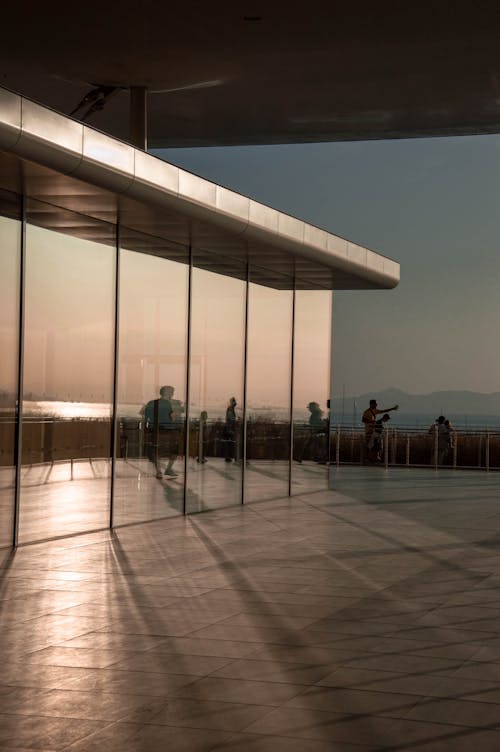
451,435
369,418
316,433
230,430
441,427
163,430
376,447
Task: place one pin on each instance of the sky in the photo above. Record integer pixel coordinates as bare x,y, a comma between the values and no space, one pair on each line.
430,204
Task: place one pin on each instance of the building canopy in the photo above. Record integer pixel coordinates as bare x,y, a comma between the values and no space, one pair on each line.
67,166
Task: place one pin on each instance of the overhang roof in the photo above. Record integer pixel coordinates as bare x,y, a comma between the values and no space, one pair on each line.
240,72
69,166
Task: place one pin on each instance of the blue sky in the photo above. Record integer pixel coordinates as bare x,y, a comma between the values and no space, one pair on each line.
431,204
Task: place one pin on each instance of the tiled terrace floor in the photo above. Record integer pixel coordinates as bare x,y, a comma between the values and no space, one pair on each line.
361,619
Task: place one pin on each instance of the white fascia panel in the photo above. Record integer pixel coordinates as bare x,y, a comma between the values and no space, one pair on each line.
46,135
106,161
10,119
35,132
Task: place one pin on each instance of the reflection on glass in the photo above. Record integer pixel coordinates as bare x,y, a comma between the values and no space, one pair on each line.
149,475
68,383
216,390
268,392
10,245
311,390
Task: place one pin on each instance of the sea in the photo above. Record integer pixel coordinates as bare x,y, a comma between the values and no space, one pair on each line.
102,411
99,410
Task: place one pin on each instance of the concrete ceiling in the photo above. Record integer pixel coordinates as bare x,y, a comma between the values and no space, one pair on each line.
263,72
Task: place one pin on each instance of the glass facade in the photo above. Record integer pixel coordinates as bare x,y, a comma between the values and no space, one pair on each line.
269,367
67,384
311,390
152,354
216,383
156,380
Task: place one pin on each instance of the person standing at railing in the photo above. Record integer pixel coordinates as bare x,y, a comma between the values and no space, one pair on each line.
443,434
369,418
377,439
451,435
230,430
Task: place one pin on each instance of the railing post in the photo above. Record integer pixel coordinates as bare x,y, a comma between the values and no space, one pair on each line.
479,450
394,446
386,446
455,442
140,429
408,449
337,445
436,450
201,432
487,458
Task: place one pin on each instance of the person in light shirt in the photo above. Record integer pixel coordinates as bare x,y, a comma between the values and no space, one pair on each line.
369,418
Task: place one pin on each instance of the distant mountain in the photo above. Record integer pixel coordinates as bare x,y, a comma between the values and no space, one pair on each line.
450,403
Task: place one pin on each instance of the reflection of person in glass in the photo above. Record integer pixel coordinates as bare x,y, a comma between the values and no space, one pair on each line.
315,438
162,425
318,432
230,430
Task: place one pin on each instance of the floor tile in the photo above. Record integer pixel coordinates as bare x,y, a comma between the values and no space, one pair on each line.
243,691
359,619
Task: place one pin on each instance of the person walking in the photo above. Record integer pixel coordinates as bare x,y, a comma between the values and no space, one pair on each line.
162,429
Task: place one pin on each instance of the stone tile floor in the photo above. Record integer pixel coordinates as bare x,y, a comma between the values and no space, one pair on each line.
353,620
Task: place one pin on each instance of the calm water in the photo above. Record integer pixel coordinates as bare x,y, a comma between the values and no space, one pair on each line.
60,409
96,410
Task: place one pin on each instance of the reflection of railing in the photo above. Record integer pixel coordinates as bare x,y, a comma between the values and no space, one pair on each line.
310,442
49,440
7,440
417,447
268,440
52,440
265,440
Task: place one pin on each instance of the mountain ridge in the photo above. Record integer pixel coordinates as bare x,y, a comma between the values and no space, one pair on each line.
459,401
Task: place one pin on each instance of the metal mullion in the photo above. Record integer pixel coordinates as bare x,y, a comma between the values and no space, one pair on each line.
20,377
188,380
292,374
331,364
114,418
245,359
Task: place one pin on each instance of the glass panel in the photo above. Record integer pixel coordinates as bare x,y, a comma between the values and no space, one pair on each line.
311,390
68,378
216,390
149,475
10,254
268,392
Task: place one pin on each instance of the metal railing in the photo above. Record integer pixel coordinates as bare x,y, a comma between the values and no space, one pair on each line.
49,442
470,448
